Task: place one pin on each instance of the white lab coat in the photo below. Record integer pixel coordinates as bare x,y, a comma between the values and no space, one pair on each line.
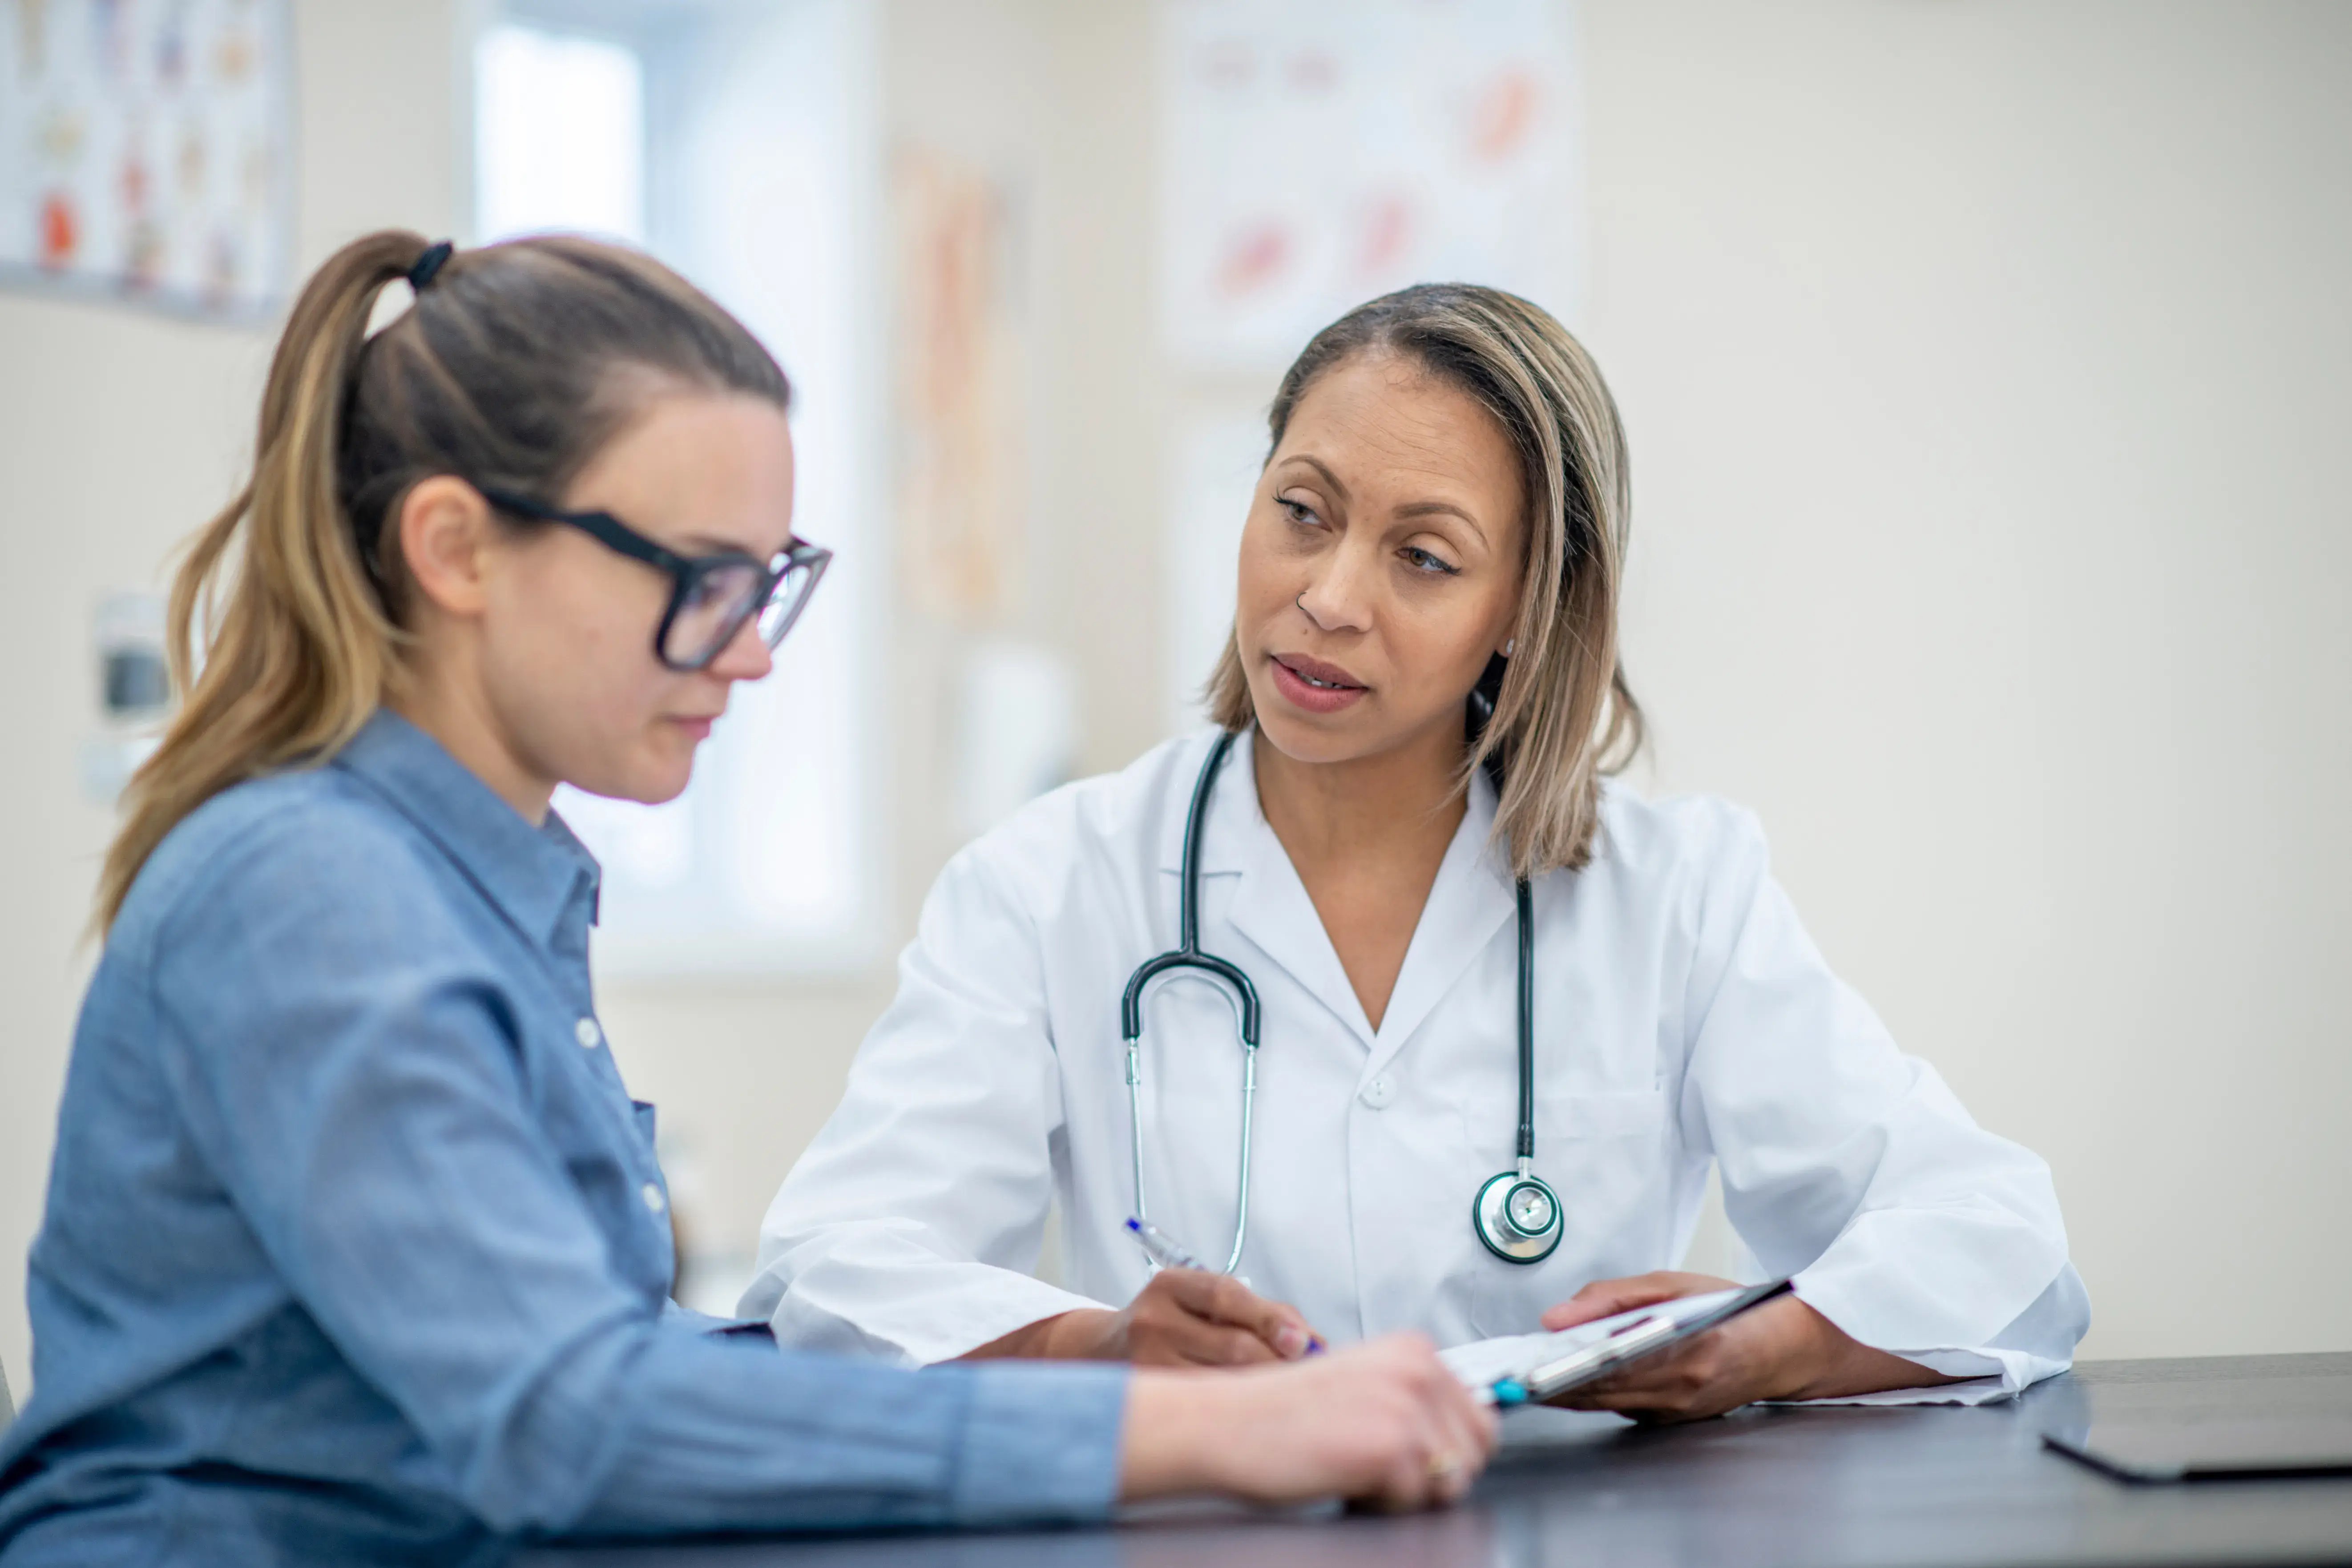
1682,1016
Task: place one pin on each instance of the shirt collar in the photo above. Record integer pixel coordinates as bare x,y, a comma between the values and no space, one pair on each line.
539,877
1235,835
1471,900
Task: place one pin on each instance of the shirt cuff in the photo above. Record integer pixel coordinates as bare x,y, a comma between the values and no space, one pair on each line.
1039,1442
677,1317
1834,1298
919,1319
2018,1369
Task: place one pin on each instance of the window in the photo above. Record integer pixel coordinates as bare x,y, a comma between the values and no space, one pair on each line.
735,141
559,134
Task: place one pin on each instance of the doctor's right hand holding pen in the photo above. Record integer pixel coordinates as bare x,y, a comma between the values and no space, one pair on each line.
1186,1315
1385,1424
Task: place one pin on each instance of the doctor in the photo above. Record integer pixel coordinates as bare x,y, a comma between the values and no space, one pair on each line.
1431,1026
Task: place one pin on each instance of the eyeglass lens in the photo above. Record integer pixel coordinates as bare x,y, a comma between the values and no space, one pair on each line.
717,604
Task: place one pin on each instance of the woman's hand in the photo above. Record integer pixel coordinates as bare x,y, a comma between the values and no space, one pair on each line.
1383,1424
1781,1350
1184,1317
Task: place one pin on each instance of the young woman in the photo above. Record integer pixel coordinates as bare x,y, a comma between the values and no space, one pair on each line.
355,1245
1509,1012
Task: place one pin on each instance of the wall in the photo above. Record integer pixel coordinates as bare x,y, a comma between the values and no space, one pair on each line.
133,431
1984,367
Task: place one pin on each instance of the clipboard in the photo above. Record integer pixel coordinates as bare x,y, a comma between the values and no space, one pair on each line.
1593,1351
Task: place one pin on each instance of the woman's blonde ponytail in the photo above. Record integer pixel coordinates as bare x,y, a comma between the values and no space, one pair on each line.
515,364
279,646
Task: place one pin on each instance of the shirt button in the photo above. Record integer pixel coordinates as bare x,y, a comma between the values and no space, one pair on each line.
1380,1091
652,1197
589,1036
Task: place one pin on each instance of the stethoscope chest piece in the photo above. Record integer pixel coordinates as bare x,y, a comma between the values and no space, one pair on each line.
1517,1216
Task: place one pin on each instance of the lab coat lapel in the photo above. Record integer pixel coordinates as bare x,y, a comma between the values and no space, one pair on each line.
1270,909
1469,903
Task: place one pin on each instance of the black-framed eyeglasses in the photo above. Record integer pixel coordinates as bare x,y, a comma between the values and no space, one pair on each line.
711,596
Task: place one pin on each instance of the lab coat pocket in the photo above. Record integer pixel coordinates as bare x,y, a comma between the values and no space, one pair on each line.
1606,1114
1566,1120
1605,1152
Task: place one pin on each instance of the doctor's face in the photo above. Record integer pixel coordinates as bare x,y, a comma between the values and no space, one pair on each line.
1380,564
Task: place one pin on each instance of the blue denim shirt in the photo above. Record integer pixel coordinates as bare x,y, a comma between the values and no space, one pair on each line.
356,1248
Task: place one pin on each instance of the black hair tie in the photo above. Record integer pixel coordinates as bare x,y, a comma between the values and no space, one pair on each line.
428,264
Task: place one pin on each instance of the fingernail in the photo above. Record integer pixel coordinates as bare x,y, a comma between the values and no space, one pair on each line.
1293,1342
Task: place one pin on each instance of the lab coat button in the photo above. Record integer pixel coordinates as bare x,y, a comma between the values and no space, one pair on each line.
1380,1091
589,1036
654,1199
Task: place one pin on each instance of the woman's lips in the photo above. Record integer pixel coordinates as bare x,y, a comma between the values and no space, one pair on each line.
697,728
1312,685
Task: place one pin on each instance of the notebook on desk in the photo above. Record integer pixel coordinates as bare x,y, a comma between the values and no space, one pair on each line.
2154,1448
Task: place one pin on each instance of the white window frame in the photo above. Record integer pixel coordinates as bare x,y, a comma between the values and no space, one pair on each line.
761,172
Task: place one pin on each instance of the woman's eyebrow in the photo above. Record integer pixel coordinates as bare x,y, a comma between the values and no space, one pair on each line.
1339,490
1442,508
711,544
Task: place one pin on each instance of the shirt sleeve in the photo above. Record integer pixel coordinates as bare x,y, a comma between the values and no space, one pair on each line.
1850,1165
348,1068
909,1227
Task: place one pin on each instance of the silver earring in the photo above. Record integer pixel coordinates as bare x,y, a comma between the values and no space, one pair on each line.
1510,646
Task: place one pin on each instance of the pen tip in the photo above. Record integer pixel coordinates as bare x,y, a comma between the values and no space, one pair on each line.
1136,1226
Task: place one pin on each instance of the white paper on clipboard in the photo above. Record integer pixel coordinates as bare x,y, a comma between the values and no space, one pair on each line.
1481,1362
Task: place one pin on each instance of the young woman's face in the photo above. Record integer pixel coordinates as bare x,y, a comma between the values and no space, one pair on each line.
1379,567
568,639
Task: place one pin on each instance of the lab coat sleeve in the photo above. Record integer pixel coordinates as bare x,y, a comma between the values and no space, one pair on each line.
909,1228
1852,1166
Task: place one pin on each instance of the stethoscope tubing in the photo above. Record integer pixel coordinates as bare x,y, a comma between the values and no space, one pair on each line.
1187,956
1525,899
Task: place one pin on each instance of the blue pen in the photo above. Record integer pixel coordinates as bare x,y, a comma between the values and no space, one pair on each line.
1167,1253
1162,1247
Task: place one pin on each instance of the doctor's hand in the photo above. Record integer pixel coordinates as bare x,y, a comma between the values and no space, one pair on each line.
1382,1423
1781,1350
1184,1317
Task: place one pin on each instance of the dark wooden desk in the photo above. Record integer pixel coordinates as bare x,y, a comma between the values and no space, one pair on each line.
1818,1487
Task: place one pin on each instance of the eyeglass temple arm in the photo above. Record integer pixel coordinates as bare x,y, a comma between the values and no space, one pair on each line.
608,529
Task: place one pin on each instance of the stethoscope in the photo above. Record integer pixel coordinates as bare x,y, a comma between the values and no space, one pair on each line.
1516,1213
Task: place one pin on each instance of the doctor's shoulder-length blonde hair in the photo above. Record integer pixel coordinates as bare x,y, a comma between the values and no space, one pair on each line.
1564,718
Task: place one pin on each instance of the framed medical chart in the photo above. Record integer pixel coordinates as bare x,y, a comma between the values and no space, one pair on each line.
1315,155
146,151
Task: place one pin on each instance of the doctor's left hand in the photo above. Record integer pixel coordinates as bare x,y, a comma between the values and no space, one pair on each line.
1781,1350
1184,1317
